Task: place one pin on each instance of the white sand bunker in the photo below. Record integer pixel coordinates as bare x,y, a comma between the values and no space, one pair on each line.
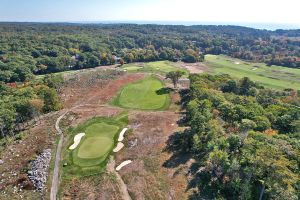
77,139
118,147
255,68
121,136
237,63
123,164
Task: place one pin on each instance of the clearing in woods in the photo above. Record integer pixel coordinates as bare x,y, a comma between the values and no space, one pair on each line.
143,95
270,76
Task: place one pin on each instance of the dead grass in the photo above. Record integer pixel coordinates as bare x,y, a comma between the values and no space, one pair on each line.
193,68
100,187
146,178
17,157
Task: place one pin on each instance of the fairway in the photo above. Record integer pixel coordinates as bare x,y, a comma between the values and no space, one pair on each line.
143,95
161,67
270,76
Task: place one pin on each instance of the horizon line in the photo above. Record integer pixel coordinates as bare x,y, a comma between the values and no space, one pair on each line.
256,25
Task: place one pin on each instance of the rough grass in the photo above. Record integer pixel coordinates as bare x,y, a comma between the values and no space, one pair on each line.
143,95
160,67
270,76
91,155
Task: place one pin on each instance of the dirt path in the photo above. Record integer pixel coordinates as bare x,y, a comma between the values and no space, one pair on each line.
123,186
54,186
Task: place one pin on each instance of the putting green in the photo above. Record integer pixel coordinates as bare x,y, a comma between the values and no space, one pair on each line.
95,147
143,95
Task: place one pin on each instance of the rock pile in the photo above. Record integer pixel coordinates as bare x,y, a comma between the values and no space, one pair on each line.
39,170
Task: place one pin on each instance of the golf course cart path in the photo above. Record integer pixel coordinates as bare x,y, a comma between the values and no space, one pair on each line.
111,168
54,186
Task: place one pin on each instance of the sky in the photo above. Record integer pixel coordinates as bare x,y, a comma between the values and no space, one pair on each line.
196,11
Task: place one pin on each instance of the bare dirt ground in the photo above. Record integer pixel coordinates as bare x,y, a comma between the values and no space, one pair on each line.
193,68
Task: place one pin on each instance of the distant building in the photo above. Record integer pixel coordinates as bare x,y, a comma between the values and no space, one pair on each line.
116,58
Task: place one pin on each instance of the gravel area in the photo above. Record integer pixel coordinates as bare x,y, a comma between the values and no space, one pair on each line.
39,170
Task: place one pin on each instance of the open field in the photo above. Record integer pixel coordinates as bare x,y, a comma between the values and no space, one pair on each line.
161,67
274,77
144,95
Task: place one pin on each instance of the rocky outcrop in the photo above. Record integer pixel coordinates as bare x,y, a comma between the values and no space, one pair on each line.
39,170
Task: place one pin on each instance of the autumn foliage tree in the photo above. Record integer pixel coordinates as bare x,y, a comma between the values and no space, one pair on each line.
174,76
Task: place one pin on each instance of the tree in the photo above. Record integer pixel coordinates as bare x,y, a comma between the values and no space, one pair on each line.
245,85
51,100
229,86
191,56
174,76
54,81
122,62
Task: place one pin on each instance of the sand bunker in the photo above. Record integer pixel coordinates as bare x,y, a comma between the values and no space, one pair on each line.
118,147
77,139
121,136
123,164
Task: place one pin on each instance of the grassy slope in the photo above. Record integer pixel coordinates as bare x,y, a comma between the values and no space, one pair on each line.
161,67
274,76
143,95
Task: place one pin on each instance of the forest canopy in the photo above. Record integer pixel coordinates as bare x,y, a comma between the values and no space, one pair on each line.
38,48
244,139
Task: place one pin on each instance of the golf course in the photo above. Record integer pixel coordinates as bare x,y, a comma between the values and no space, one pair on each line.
92,142
276,77
143,95
95,146
159,67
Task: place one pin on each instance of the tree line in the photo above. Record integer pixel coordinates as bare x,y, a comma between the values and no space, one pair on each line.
21,103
